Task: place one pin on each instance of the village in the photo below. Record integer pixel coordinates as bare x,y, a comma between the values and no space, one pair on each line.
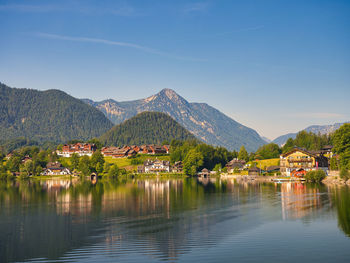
155,160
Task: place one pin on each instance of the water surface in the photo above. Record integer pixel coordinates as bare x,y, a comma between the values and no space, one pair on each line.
177,220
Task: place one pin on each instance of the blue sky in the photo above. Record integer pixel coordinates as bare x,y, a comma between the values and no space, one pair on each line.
275,66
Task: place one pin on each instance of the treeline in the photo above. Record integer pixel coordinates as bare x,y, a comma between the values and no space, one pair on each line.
196,156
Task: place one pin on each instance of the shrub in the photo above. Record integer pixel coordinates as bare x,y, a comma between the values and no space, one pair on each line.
315,176
344,174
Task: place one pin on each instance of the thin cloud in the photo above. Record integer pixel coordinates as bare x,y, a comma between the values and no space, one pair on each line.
122,10
318,115
115,43
30,8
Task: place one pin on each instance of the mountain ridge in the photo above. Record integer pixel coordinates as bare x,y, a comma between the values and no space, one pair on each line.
204,121
322,129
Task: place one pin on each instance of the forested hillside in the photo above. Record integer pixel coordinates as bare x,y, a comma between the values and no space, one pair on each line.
50,115
146,128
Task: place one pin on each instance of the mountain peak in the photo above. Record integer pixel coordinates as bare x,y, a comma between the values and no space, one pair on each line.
171,94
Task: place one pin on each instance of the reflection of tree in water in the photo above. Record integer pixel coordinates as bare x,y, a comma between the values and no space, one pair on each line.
164,218
341,199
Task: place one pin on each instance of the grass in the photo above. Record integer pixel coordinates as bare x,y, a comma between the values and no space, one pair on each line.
265,163
126,162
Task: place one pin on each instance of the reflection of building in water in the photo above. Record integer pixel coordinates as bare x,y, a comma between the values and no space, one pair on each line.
298,200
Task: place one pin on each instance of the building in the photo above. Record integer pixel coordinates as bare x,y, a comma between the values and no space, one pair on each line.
154,166
117,152
254,171
204,173
235,164
299,161
78,148
154,149
177,167
273,169
55,168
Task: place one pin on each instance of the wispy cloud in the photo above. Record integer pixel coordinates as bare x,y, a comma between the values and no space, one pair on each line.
317,115
196,7
120,10
29,8
115,43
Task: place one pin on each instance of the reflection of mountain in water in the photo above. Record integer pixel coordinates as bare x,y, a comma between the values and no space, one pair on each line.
162,218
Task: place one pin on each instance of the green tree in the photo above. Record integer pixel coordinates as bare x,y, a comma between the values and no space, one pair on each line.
268,151
113,171
333,163
243,154
192,162
97,161
74,159
13,163
341,143
84,165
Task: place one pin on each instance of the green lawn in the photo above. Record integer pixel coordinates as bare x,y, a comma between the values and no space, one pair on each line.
265,163
126,162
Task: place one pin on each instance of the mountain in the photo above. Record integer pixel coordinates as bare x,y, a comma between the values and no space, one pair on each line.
205,122
266,139
50,115
322,129
146,128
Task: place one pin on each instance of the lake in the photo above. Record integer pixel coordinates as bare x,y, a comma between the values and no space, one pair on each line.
176,220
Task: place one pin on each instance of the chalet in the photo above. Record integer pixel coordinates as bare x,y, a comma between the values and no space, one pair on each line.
78,148
155,166
108,151
154,149
55,168
235,164
298,159
177,167
136,148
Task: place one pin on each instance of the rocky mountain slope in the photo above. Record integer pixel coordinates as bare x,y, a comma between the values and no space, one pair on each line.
202,120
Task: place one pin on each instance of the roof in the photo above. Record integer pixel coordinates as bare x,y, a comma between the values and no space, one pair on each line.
297,149
272,168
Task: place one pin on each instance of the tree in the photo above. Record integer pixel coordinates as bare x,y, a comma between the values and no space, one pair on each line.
243,154
334,164
97,161
27,168
192,162
341,143
13,163
75,160
113,171
84,165
268,151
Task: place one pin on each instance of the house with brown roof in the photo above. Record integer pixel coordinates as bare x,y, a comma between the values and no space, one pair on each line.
235,164
298,159
55,168
78,148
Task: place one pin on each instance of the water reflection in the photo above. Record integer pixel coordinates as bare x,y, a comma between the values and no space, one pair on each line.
158,219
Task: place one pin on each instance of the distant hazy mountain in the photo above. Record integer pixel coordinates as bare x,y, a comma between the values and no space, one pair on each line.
266,139
50,115
322,129
202,120
146,128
